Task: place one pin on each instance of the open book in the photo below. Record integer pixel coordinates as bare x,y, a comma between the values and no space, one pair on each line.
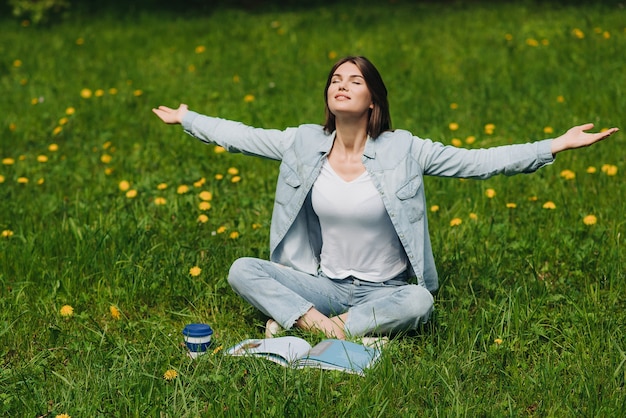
295,352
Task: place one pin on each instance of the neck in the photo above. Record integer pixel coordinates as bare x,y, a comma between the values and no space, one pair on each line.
350,138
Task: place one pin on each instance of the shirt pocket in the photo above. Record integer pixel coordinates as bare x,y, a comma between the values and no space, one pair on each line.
410,195
287,185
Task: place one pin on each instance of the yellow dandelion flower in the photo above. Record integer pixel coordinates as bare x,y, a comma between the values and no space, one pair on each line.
568,174
454,106
470,140
233,171
560,99
124,185
57,130
606,35
248,98
170,374
162,186
221,229
195,271
202,218
206,195
63,121
53,147
590,220
66,310
218,349
42,158
115,313
108,171
219,176
508,37
548,130
159,201
80,41
86,93
498,341
2,178
7,233
22,180
12,126
236,79
200,49
256,226
22,157
549,205
235,179
456,222
219,150
137,93
112,91
182,189
545,42
70,111
511,205
63,416
591,170
204,205
332,55
40,181
434,208
490,193
456,142
199,183
490,128
532,42
578,33
8,161
131,194
107,145
473,216
609,169
453,126
234,235
98,93
106,158
17,63
533,198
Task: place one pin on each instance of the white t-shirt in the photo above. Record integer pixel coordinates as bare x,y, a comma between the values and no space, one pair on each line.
358,238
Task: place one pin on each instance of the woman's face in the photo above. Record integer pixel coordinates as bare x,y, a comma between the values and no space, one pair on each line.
348,94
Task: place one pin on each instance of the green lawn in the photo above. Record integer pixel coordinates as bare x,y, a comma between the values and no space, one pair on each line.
101,208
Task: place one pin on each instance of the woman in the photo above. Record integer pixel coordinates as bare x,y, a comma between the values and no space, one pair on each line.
349,245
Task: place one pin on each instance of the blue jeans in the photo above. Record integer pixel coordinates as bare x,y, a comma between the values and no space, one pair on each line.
285,294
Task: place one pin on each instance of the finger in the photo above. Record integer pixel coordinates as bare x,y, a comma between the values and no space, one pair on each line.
609,132
586,126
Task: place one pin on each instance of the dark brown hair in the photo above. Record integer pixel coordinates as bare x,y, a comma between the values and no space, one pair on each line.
379,118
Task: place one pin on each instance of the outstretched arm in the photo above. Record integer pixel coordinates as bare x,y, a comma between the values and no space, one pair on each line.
576,137
171,116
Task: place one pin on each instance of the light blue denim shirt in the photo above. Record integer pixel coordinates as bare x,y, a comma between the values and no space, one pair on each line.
396,162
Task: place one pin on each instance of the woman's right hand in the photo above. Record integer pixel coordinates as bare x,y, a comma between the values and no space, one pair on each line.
171,116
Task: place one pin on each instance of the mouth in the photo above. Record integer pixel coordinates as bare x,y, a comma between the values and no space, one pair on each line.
341,97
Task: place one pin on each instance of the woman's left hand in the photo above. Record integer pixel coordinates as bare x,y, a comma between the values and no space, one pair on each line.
576,137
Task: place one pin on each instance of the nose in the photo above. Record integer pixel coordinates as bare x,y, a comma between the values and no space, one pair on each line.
343,85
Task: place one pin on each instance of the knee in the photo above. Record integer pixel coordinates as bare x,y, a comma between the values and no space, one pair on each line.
419,306
241,271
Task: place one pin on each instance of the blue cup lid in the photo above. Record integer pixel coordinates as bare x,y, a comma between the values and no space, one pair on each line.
197,330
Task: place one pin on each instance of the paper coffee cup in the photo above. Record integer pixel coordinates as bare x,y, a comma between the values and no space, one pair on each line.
197,338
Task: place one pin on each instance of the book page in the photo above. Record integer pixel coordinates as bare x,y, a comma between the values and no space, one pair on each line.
287,348
341,355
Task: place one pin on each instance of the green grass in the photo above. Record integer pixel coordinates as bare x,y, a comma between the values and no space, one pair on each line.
545,284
